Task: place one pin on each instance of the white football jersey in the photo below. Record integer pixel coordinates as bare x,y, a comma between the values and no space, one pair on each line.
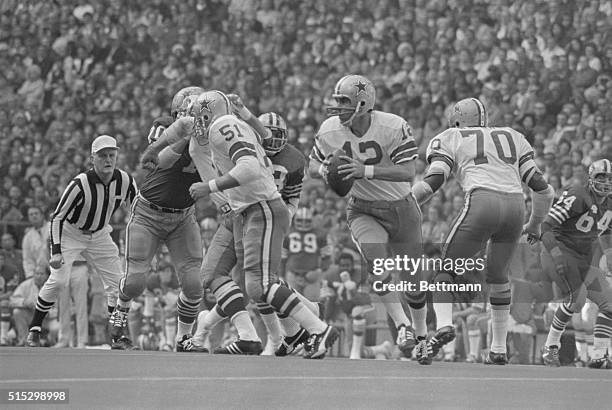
482,157
200,154
388,141
230,139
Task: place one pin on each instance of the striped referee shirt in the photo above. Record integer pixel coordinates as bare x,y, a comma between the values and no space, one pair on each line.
88,204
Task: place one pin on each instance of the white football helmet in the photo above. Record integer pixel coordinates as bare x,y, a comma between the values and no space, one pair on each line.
276,124
183,101
355,95
600,177
469,112
209,106
303,219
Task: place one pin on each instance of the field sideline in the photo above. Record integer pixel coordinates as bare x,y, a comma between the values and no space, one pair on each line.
120,380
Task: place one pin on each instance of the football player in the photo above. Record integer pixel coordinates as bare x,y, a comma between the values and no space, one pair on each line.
570,236
302,252
164,212
246,174
220,257
383,216
489,163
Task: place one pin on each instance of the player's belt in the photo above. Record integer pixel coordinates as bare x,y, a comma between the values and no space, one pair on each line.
162,208
225,208
377,204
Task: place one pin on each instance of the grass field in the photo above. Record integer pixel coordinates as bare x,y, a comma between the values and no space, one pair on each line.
159,380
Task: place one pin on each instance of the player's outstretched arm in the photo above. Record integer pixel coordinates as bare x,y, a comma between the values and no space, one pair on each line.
178,131
247,116
169,155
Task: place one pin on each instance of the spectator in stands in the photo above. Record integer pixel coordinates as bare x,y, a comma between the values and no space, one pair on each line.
35,242
12,256
23,302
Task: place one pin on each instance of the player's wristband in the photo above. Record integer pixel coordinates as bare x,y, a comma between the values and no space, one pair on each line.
212,185
368,173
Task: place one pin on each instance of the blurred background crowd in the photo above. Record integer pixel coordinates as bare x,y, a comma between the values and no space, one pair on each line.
71,70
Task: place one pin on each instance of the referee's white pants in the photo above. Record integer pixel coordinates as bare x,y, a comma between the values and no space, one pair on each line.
101,253
74,294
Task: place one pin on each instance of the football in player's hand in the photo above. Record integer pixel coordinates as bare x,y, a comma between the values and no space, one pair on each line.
336,182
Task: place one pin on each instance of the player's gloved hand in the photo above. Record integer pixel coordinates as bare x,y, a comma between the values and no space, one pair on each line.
56,261
533,232
560,262
149,159
238,107
354,169
199,190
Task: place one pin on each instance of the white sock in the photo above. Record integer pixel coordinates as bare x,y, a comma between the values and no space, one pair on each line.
207,319
474,336
419,320
499,329
395,309
290,326
244,326
358,333
444,314
183,329
170,329
600,347
273,327
308,320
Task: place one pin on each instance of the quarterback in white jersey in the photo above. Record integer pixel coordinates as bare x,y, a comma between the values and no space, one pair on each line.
490,164
245,173
383,216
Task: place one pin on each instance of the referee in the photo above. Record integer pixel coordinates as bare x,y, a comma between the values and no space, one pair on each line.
80,225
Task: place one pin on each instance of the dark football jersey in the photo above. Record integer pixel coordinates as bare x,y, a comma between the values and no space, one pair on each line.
578,220
303,251
170,187
288,168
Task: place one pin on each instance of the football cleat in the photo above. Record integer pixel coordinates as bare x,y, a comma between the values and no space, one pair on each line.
406,340
550,356
244,347
424,354
601,363
317,344
123,343
444,335
290,343
33,339
118,322
188,344
496,358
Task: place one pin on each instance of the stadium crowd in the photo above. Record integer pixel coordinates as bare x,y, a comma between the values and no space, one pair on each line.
72,70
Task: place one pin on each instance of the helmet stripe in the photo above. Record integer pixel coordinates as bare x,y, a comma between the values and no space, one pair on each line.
270,118
228,106
480,107
339,84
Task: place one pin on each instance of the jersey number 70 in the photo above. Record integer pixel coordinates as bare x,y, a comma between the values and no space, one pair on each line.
481,158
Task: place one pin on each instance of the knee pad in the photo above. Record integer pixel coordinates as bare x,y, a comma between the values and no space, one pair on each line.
130,289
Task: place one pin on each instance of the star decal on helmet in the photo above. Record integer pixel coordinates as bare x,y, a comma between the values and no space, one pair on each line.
361,87
206,104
